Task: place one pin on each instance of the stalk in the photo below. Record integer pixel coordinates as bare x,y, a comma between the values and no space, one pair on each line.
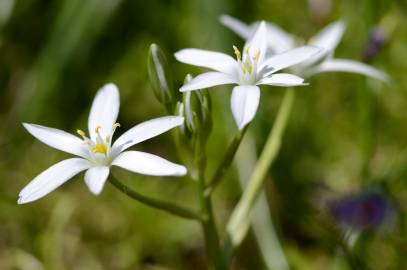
155,203
212,243
226,161
238,224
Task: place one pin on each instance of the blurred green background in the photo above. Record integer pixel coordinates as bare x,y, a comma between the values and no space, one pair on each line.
346,134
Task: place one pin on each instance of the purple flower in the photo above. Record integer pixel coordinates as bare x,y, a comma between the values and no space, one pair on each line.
377,39
361,211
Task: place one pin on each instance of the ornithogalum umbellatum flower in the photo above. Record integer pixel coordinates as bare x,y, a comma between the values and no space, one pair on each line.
97,152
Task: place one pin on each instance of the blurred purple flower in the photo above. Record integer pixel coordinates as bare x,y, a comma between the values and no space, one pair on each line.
361,211
377,38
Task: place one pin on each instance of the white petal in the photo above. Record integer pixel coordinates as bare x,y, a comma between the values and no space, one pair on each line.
258,43
52,178
329,37
58,139
208,79
240,28
290,58
283,79
148,164
279,40
95,178
104,111
343,65
214,60
147,130
244,102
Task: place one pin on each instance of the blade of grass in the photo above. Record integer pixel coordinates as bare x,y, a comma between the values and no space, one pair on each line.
238,226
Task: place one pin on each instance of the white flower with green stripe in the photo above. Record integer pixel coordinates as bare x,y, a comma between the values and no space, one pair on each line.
251,68
327,39
97,152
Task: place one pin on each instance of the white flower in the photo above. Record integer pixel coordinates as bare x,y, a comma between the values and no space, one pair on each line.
250,69
328,38
97,153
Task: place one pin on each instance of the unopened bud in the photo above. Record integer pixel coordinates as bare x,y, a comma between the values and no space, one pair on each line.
161,79
196,108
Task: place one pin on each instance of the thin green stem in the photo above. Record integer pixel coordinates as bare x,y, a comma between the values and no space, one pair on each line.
354,261
261,222
238,224
158,204
226,161
213,248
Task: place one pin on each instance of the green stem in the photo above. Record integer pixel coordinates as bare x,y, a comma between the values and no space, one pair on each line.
366,129
261,222
354,262
226,161
212,243
160,205
238,224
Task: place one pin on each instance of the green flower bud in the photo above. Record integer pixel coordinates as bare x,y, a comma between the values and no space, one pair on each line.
196,106
161,78
192,136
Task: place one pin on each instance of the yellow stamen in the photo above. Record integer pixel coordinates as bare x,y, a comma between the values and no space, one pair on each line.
81,132
107,139
99,148
237,53
257,56
247,50
116,125
97,129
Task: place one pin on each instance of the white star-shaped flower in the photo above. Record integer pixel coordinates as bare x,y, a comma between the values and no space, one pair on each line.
327,39
96,153
250,69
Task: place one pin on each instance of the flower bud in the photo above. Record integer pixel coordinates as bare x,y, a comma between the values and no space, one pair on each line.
195,107
161,78
197,112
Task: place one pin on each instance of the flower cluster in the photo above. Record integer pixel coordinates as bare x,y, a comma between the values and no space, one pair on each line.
268,51
269,57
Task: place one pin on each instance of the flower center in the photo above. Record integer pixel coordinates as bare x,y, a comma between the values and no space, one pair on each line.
247,64
100,148
99,145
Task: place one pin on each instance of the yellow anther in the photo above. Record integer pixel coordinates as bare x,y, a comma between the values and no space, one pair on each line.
257,55
81,132
99,148
237,53
116,125
107,139
247,50
97,129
